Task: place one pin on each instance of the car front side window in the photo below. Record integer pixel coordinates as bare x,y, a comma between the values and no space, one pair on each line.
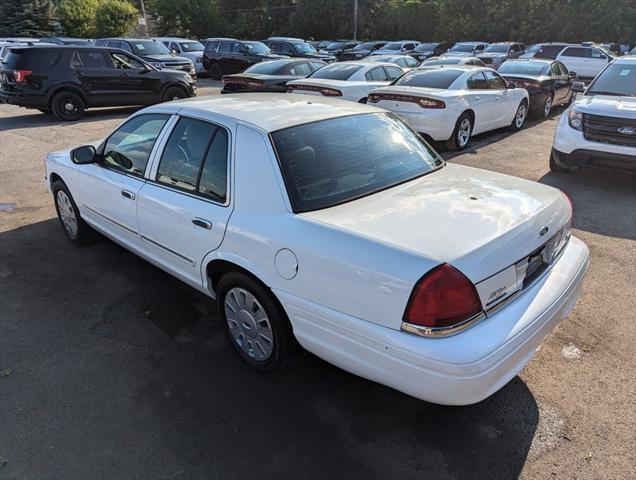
128,148
125,62
495,82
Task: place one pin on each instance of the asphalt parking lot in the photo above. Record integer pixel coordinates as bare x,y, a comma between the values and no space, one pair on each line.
110,368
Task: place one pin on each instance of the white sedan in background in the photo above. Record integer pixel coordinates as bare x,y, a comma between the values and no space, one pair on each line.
347,80
452,103
335,225
405,62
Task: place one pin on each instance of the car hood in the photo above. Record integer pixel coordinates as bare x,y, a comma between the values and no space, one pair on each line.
164,58
481,222
623,107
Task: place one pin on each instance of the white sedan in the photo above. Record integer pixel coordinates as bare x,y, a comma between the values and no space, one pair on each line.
334,225
453,103
405,62
347,80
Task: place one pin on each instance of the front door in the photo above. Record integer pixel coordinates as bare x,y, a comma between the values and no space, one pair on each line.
109,190
482,101
184,208
137,86
505,104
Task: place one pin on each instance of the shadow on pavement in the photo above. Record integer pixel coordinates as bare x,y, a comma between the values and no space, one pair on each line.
35,119
604,202
121,371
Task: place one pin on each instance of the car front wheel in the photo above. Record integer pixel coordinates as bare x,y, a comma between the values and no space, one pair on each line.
216,72
256,325
68,106
173,93
76,229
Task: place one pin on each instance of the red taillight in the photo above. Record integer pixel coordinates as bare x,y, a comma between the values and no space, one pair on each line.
331,92
250,82
20,75
423,102
443,298
327,92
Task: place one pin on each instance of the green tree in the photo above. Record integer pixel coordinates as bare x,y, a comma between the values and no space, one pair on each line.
115,18
31,18
77,17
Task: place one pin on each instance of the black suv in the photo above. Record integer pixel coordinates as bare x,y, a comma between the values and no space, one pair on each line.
155,53
296,47
66,80
426,50
224,56
360,51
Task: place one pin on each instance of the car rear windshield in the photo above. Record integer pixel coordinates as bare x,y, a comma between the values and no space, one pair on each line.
304,47
149,47
334,161
617,79
438,78
443,61
31,59
524,68
268,68
336,71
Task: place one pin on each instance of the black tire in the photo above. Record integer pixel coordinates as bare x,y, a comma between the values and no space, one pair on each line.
68,106
173,93
216,71
517,125
44,110
555,165
280,330
456,141
545,111
83,233
363,100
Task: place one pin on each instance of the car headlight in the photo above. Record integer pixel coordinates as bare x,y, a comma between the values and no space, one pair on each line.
157,65
575,120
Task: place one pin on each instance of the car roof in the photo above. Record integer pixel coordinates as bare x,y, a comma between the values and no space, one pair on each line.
269,111
218,39
535,60
177,39
626,60
288,39
472,43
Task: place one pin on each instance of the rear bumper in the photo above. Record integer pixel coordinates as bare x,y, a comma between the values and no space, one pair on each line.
24,99
458,370
437,124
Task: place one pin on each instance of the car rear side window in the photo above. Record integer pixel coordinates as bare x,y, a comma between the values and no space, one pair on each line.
85,59
128,148
333,161
195,159
337,71
300,69
575,52
211,46
439,78
376,75
477,82
393,72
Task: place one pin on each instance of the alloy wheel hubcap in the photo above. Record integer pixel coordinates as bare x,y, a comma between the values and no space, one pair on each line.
249,325
69,107
67,214
521,116
463,135
548,107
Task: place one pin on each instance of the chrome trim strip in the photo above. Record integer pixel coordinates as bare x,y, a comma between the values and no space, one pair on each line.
442,331
169,250
105,217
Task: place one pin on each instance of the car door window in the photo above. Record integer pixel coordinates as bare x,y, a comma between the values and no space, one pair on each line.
477,82
400,62
211,46
315,65
574,52
375,75
597,54
225,47
125,62
86,59
555,71
495,82
237,48
286,49
174,47
213,178
392,72
410,62
128,148
562,69
408,46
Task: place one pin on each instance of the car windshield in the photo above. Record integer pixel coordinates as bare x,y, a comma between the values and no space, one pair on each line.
462,47
268,68
441,78
442,61
365,46
425,47
149,47
257,48
392,46
616,79
303,47
334,161
496,48
524,68
335,45
337,71
191,46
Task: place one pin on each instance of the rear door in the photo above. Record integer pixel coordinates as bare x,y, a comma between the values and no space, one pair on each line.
184,207
505,104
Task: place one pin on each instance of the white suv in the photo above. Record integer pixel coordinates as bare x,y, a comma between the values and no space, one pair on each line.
599,129
586,60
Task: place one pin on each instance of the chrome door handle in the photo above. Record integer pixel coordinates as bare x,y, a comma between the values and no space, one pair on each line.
202,222
127,194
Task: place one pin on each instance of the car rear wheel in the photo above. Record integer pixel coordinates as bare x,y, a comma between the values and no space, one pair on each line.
520,116
256,325
461,134
173,93
76,229
68,106
547,106
216,72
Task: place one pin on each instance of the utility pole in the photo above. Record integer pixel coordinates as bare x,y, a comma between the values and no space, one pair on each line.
355,19
142,19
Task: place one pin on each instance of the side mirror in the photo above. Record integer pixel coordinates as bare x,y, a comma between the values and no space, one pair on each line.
572,75
578,87
511,85
84,155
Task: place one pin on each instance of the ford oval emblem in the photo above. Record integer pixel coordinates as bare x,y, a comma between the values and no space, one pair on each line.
627,130
543,230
